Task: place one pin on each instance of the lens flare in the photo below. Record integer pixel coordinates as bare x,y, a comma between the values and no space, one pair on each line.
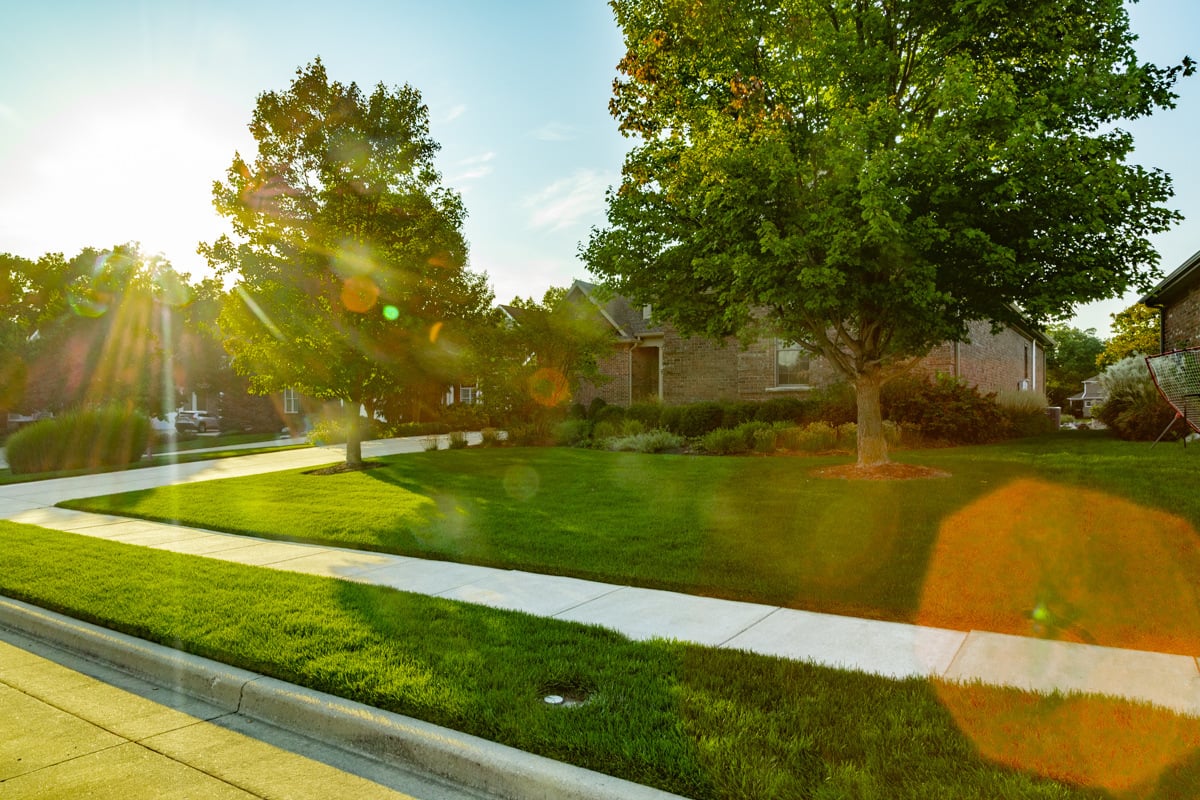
521,482
87,304
1042,560
359,294
391,313
434,332
548,387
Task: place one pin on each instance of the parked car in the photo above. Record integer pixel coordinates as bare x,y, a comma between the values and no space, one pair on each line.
196,421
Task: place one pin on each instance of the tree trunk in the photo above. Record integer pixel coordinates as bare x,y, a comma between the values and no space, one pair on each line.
353,436
872,447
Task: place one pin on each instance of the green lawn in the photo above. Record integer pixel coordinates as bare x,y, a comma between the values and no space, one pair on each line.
1073,536
703,722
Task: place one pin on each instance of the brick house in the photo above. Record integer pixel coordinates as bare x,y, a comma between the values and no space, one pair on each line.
652,361
1177,297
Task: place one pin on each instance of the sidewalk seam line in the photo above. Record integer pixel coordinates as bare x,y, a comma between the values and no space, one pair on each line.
763,618
957,652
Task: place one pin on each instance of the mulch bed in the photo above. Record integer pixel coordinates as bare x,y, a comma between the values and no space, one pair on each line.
338,469
880,472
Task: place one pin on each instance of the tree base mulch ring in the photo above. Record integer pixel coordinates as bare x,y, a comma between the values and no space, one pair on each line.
880,472
338,469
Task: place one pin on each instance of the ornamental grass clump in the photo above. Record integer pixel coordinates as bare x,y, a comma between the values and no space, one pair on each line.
1025,412
103,437
657,441
816,437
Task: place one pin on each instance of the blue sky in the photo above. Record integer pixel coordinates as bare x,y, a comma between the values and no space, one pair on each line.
115,117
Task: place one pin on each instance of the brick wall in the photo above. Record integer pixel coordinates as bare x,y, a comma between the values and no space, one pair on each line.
615,391
1181,321
993,362
698,368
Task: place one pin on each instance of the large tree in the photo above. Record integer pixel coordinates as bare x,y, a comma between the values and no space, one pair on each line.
348,253
866,177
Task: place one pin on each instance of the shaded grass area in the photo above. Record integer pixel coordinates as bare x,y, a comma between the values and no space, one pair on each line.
1071,536
698,721
162,458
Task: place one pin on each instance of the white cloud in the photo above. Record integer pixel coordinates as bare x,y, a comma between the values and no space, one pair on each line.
555,132
454,113
566,202
476,167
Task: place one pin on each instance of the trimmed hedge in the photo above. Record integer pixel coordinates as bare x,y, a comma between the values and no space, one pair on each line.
110,436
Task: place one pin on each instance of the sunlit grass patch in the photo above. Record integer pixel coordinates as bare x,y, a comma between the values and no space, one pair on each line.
1068,536
706,723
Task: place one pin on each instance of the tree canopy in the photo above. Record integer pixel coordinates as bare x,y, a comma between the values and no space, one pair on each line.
1135,332
1070,362
96,329
348,253
866,178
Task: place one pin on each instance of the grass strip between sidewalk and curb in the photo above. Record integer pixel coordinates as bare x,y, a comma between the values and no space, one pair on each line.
697,721
1074,537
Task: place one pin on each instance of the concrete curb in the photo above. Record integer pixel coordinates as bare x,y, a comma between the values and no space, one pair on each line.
463,759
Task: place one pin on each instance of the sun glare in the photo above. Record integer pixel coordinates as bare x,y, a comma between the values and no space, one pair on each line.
130,167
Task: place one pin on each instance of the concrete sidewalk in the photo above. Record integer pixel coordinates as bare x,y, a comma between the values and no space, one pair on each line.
73,727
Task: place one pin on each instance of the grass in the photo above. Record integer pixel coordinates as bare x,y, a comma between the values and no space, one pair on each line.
702,722
162,457
1071,536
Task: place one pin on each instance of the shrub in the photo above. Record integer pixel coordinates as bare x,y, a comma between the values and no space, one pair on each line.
723,441
649,414
815,437
430,443
847,436
489,437
1134,409
946,409
764,440
786,409
571,432
417,429
748,430
104,437
656,441
594,407
671,418
735,414
700,418
836,404
893,433
458,440
608,414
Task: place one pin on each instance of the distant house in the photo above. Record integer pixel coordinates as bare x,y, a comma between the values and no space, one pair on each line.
1177,297
652,361
1092,395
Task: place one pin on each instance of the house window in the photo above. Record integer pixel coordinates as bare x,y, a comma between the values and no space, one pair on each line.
291,401
791,364
468,394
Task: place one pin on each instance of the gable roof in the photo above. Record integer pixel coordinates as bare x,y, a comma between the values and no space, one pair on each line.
628,321
1175,284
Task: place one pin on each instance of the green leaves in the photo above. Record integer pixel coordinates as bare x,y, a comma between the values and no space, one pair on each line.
348,252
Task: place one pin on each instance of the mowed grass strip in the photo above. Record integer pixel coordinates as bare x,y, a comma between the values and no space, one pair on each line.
1072,537
702,722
